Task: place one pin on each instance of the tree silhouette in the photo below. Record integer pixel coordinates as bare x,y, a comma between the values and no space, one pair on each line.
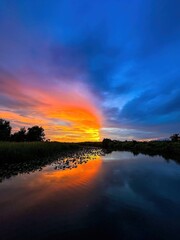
19,136
107,143
35,133
5,130
175,137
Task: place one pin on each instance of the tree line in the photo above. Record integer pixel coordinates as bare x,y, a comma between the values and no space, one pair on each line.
32,134
108,143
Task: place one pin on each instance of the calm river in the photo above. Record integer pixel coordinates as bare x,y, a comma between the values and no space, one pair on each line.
116,196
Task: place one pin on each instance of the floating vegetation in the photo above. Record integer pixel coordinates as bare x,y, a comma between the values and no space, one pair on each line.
64,160
80,157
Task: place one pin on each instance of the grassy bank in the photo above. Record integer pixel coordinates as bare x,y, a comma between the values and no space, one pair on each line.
26,151
35,151
26,157
166,149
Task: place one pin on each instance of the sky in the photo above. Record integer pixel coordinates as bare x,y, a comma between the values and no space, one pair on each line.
87,70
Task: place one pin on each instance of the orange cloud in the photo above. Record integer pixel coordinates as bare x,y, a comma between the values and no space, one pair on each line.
66,113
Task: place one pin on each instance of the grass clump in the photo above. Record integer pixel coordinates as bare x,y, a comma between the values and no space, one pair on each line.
26,151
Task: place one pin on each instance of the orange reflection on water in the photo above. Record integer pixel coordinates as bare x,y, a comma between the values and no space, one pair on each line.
71,189
56,191
82,175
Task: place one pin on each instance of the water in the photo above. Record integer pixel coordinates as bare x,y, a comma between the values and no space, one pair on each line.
117,196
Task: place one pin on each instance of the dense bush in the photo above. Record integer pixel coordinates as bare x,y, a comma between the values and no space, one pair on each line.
33,134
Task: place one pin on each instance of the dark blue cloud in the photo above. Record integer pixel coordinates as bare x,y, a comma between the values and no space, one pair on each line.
92,60
159,25
153,110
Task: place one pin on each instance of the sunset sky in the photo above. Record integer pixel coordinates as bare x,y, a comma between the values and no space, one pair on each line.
85,70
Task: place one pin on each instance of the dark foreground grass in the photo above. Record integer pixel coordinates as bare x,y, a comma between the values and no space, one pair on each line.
27,151
18,158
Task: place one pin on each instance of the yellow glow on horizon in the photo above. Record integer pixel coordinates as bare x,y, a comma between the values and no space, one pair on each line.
66,116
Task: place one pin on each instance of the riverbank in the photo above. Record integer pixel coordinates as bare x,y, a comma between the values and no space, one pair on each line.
35,151
26,157
166,149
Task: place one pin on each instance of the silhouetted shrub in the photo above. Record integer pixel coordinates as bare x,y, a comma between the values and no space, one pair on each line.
19,136
35,134
175,137
107,143
5,130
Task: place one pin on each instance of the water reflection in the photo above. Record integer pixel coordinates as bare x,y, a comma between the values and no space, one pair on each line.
118,196
48,185
50,195
68,160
